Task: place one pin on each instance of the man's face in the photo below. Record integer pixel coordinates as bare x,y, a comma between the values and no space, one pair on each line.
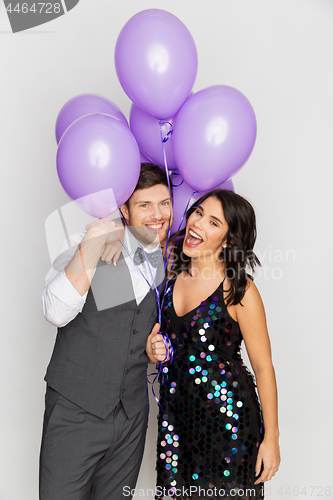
149,214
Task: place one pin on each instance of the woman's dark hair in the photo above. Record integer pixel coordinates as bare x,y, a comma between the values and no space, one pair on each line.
240,238
150,175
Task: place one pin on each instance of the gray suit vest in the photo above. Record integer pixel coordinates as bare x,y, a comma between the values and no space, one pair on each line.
99,358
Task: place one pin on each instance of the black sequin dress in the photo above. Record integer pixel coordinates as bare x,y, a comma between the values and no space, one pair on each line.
211,425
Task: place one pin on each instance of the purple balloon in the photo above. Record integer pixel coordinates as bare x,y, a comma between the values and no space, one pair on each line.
146,129
184,196
98,163
82,105
156,62
144,158
214,134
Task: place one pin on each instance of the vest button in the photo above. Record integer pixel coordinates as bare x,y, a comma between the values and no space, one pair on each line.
138,311
131,351
127,371
135,332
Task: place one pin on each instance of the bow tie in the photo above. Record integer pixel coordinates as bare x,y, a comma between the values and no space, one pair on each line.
154,258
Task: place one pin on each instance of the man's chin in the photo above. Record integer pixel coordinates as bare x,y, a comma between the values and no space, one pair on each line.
145,236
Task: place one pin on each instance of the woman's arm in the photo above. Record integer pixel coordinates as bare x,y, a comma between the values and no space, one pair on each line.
252,322
81,268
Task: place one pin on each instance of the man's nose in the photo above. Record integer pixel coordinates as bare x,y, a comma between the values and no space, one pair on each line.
156,213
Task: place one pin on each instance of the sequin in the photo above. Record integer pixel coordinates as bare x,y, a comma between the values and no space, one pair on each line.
211,426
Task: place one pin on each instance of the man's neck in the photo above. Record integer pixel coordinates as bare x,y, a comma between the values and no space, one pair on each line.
150,246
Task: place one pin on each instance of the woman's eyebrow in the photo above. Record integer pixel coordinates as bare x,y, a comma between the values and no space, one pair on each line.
212,216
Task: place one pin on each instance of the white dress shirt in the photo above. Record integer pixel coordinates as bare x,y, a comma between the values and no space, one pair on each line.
61,302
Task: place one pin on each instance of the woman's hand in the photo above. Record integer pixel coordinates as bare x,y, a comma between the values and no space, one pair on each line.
113,232
155,347
269,458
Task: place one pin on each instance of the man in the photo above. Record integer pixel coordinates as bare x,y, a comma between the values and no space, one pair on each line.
96,402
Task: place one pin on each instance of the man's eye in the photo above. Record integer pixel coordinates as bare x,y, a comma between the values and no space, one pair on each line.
165,203
144,205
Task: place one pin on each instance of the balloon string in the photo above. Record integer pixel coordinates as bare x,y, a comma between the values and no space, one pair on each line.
155,375
166,339
189,201
177,185
160,300
157,291
153,288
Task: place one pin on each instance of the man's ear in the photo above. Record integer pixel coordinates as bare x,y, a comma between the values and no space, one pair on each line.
124,211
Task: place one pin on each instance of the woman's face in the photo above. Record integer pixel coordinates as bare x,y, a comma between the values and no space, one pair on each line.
206,230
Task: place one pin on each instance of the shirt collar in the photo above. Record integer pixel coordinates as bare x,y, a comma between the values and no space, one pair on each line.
131,243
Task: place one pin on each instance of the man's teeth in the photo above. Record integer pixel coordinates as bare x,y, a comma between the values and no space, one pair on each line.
194,235
155,226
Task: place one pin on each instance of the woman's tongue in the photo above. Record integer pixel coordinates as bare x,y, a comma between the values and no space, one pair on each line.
192,241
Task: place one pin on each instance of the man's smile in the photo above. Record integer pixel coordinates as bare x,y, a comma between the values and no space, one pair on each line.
157,226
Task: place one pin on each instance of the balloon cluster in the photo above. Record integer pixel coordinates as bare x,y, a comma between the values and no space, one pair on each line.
202,138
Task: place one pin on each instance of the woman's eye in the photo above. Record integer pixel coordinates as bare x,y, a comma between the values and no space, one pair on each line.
198,212
214,223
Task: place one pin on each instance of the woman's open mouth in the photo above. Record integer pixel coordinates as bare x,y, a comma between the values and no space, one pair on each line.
193,239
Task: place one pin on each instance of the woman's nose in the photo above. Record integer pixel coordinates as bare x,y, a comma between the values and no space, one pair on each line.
198,223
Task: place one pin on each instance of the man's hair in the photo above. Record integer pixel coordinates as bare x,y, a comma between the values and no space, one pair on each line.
150,175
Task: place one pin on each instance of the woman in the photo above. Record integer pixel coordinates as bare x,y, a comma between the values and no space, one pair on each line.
211,437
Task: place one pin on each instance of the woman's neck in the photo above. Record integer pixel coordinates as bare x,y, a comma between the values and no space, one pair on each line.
206,269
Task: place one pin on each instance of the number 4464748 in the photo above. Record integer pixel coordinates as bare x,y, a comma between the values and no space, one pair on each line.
47,8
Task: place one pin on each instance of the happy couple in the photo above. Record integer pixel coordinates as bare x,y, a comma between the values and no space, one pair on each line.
211,432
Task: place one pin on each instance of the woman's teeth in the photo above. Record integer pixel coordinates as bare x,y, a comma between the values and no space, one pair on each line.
193,239
194,235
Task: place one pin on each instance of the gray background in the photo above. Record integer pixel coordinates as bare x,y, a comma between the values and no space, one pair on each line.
279,54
